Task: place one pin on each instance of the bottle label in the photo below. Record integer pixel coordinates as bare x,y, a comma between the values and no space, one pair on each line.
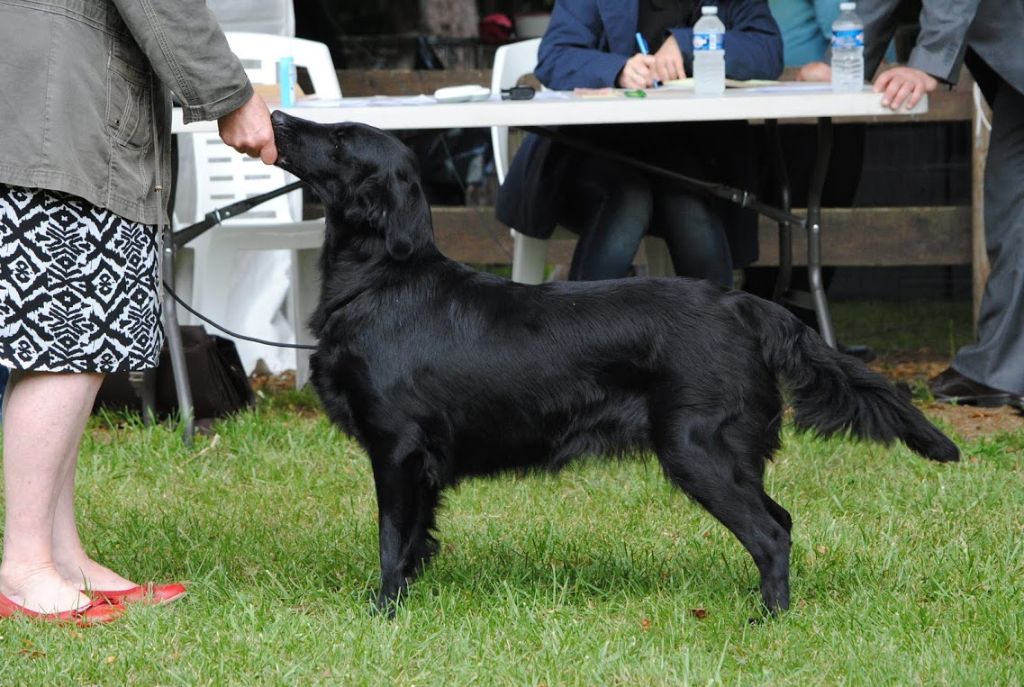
708,41
286,81
847,39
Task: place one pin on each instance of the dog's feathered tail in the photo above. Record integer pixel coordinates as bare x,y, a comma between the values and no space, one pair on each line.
832,392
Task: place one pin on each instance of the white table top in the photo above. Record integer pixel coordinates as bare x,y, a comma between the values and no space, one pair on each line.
786,101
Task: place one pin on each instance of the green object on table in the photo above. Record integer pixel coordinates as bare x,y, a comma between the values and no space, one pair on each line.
637,93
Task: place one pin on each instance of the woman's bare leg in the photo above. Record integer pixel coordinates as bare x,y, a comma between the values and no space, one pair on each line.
69,555
44,417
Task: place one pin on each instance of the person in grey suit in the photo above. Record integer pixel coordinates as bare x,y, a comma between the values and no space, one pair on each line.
987,36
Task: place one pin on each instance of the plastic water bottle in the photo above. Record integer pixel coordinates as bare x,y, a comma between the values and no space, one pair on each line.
709,53
847,50
286,81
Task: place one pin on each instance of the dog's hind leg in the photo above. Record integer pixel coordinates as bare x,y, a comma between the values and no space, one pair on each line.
730,487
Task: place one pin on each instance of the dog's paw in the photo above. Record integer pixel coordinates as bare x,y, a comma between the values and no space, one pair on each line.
385,606
388,599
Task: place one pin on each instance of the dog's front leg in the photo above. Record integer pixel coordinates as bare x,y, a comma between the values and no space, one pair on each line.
395,512
398,506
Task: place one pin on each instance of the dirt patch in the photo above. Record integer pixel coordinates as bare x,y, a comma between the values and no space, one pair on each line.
917,367
972,423
271,383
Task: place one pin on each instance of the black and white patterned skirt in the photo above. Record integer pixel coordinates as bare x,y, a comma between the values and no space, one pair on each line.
79,286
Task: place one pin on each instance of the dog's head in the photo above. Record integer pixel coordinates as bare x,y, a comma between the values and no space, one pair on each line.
367,180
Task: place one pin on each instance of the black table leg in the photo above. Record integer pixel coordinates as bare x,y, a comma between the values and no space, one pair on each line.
785,276
824,151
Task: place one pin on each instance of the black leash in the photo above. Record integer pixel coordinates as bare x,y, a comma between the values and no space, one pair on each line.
212,219
743,198
215,217
207,320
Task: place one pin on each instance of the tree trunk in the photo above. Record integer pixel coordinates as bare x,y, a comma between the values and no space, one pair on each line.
449,18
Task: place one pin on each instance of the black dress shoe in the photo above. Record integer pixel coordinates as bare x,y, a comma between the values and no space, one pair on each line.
952,387
865,353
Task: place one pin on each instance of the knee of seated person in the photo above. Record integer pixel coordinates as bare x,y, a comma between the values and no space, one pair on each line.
699,249
624,200
635,199
612,174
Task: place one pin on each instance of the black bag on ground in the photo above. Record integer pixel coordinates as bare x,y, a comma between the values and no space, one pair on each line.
215,375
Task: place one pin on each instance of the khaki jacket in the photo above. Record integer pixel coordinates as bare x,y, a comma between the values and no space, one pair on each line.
84,93
992,29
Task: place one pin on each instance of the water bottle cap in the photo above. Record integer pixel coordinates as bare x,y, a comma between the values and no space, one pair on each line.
711,9
847,6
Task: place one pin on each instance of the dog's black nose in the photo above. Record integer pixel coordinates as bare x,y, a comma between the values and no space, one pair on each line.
278,118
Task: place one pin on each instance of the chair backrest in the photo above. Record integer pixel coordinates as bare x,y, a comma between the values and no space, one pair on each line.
213,175
511,63
260,52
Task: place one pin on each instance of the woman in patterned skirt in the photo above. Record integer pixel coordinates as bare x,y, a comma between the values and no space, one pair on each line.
83,151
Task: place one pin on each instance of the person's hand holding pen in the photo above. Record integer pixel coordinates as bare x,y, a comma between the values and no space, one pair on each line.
648,71
641,43
638,72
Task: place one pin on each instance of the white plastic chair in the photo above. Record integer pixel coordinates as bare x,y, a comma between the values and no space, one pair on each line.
245,294
512,62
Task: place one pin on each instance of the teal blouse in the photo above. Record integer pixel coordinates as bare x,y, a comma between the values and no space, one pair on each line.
806,27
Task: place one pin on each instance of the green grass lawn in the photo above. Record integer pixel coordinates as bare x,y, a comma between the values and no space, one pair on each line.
935,326
903,571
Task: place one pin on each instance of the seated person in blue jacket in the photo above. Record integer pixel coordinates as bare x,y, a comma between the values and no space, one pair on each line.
612,205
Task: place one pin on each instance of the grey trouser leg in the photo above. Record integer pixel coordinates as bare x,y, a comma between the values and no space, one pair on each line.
997,358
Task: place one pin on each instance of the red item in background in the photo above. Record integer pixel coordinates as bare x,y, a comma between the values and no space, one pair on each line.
495,28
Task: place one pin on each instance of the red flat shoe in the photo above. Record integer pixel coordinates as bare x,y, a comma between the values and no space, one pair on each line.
149,593
95,613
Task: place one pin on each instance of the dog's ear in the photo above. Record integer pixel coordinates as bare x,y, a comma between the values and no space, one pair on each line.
393,207
408,229
400,224
406,221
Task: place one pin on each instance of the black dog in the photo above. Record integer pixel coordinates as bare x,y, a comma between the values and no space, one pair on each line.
442,372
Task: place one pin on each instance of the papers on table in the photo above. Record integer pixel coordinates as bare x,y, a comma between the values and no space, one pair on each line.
381,100
759,85
792,87
396,100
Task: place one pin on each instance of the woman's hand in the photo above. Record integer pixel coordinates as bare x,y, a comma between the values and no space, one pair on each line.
668,61
904,84
248,130
814,71
638,72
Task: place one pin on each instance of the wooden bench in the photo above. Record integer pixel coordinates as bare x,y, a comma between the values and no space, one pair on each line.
875,236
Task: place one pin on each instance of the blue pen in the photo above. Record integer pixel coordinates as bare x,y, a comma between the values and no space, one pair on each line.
641,43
